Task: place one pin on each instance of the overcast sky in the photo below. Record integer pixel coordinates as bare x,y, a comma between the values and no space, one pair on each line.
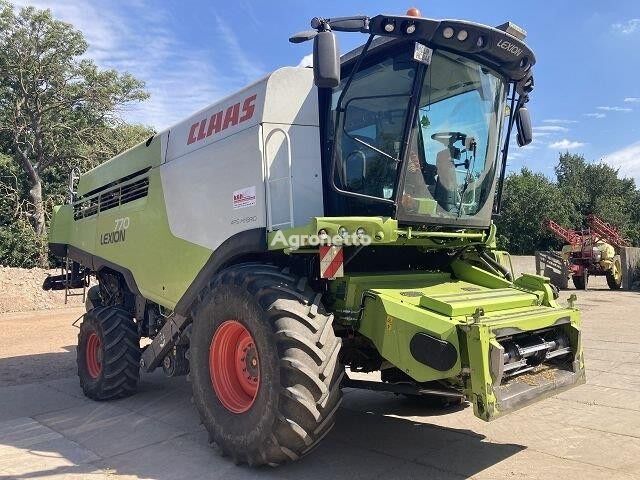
191,53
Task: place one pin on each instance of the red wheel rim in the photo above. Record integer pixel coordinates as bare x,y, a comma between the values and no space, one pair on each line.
234,366
94,355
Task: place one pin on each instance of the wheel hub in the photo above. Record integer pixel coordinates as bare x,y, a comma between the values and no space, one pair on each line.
234,366
94,355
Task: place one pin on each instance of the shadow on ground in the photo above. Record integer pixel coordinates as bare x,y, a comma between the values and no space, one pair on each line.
156,434
37,368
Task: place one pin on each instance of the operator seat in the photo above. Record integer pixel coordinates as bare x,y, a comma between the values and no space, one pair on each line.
363,169
446,190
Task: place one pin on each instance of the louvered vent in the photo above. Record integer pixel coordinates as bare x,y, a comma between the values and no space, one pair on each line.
110,196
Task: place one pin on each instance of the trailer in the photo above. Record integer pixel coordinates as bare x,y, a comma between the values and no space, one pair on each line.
594,251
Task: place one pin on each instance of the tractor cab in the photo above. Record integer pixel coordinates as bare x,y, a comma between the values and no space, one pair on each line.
417,125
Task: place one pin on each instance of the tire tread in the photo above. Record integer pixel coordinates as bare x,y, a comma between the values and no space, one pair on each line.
310,370
121,359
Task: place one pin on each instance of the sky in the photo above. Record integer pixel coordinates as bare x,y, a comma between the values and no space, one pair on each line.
191,53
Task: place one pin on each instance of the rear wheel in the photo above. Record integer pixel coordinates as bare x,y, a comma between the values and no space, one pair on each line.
108,354
580,281
614,275
264,365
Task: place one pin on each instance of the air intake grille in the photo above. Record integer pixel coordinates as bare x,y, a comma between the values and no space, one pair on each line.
111,196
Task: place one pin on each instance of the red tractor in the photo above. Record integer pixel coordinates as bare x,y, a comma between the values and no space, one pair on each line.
591,251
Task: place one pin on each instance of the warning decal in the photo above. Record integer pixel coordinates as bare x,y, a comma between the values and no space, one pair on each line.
331,261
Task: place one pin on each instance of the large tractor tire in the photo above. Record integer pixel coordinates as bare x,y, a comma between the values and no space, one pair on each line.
108,354
264,365
614,275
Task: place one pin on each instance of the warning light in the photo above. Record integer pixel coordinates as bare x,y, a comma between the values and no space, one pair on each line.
413,12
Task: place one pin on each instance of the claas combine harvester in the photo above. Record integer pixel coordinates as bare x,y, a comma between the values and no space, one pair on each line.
320,222
594,251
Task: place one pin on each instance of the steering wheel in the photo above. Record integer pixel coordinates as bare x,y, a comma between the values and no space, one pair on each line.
449,138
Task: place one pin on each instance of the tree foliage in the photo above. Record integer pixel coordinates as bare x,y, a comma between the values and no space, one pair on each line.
595,188
528,200
58,110
581,188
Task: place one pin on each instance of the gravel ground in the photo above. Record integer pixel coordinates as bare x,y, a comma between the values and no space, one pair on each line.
22,291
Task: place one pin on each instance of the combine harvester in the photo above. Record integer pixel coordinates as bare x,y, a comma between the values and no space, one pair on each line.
594,251
319,219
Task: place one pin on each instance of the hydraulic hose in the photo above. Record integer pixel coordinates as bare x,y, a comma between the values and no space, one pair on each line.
491,262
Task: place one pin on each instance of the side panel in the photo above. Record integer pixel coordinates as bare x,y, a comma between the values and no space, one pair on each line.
143,155
162,265
64,230
294,174
205,187
216,191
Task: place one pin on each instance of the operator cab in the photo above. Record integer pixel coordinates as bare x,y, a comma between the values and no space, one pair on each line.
414,127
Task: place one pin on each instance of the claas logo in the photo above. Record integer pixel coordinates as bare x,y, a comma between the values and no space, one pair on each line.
219,121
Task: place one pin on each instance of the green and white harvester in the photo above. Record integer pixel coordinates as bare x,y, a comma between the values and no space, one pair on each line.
318,223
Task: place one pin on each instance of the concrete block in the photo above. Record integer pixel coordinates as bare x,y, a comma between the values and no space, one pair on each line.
172,407
523,264
108,430
175,458
33,399
532,464
29,449
630,260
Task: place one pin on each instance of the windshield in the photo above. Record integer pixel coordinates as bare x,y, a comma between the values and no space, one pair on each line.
452,158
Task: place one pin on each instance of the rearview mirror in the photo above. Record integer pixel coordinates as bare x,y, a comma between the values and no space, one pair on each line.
326,60
523,124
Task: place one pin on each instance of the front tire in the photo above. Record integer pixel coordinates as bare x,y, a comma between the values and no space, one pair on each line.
270,329
108,354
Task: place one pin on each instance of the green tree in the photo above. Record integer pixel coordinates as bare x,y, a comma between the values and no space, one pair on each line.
57,108
528,200
595,188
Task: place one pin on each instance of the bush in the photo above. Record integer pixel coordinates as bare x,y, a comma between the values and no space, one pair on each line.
20,246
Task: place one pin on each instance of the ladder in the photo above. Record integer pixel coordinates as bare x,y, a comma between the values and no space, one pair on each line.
69,274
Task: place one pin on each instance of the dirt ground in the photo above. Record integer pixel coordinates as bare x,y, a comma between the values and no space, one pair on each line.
49,430
21,291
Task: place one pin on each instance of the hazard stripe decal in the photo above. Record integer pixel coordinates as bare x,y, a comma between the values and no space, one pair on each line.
331,261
